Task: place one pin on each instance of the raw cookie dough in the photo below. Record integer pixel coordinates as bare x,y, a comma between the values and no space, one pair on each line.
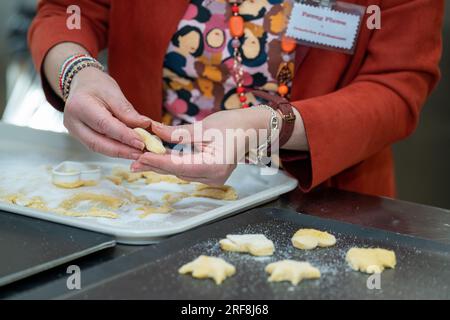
293,271
12,198
142,200
120,174
174,197
152,143
37,203
21,200
370,260
255,244
71,185
126,174
307,239
115,179
148,210
93,212
219,192
209,267
108,202
153,177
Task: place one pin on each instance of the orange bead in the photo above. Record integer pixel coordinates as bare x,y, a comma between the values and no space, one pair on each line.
287,44
283,90
236,26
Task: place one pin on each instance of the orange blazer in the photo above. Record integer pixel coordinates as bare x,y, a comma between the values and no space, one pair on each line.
354,107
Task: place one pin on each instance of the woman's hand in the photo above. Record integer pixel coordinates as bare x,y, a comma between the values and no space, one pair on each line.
98,114
221,143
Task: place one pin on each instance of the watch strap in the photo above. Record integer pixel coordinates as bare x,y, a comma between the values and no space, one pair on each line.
286,110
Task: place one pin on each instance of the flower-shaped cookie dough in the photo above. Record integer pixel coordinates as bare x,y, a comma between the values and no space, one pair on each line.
307,239
370,260
255,244
293,271
209,267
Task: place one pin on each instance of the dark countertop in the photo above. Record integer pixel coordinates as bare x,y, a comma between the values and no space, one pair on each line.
377,212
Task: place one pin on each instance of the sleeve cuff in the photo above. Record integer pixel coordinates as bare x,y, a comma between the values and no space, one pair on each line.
44,35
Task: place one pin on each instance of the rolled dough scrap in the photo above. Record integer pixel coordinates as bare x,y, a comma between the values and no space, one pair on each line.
171,198
93,212
152,143
126,174
219,192
370,260
108,202
115,179
120,174
142,200
134,176
12,198
71,185
209,267
147,210
290,270
37,203
153,177
21,200
255,244
307,239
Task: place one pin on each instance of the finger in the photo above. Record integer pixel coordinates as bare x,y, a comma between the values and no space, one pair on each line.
189,165
101,144
208,181
138,166
178,134
99,119
123,110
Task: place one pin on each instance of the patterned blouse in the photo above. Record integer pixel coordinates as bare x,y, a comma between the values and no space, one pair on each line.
197,67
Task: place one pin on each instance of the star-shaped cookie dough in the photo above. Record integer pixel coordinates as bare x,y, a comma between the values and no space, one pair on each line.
209,267
293,271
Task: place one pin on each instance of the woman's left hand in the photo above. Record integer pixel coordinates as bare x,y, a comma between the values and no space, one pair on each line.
220,141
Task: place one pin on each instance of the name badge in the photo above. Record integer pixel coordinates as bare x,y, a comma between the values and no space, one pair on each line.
324,27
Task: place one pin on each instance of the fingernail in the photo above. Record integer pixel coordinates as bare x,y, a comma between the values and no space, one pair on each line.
145,119
138,144
135,156
157,124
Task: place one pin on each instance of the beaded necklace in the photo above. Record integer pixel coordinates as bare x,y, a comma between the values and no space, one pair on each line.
284,74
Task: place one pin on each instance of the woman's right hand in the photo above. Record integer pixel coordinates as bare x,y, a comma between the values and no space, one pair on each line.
98,114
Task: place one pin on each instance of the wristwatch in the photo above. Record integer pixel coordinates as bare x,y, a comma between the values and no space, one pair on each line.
262,156
286,110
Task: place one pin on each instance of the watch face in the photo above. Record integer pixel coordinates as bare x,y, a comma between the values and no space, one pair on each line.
264,161
274,123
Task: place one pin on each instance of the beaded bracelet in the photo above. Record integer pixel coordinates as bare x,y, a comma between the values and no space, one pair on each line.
64,67
71,66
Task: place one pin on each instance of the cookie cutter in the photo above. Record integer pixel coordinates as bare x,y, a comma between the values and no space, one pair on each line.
72,174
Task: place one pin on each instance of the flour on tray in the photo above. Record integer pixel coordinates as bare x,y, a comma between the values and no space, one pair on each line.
129,201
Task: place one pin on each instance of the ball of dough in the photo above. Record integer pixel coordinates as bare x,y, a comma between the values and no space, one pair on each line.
291,270
308,239
255,244
152,143
370,260
209,267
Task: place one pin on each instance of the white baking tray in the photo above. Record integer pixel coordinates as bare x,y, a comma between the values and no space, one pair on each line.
27,155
